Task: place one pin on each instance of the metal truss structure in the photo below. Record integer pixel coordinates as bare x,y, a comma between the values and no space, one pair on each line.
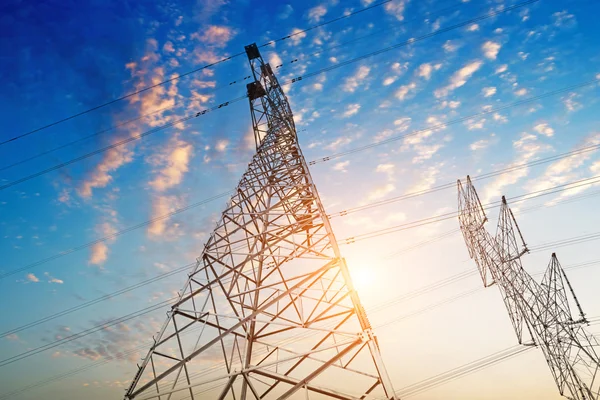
540,312
269,311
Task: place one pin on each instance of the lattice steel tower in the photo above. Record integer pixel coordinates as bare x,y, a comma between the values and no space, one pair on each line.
540,312
269,311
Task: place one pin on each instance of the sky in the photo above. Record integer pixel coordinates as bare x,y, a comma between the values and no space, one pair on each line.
61,58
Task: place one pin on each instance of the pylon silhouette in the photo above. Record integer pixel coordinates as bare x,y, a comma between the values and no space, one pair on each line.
571,353
269,311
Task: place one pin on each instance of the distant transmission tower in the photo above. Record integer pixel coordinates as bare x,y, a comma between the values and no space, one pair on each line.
541,312
269,311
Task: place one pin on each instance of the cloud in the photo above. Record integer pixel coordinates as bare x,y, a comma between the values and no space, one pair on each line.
341,166
479,145
296,36
52,279
527,147
521,92
354,81
491,49
351,109
544,129
473,124
396,8
459,78
316,13
501,69
99,254
427,179
570,104
274,59
222,145
402,124
449,46
12,336
101,176
32,278
424,152
488,91
473,28
159,228
426,69
285,12
173,160
216,35
405,90
565,170
380,192
564,19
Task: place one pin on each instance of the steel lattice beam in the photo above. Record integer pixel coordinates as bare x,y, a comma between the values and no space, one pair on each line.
539,310
269,311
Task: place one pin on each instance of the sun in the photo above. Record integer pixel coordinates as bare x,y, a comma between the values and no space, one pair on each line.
362,278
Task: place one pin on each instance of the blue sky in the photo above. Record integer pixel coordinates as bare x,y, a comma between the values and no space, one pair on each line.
59,58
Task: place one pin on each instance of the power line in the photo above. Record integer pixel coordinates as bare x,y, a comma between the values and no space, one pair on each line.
454,214
463,370
456,121
177,77
291,81
239,80
113,235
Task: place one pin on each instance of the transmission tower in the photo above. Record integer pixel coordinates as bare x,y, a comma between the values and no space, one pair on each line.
540,312
269,311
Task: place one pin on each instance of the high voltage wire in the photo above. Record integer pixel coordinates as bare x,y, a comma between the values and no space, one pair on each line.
454,214
180,269
377,308
240,80
292,81
158,306
461,371
333,215
177,77
456,121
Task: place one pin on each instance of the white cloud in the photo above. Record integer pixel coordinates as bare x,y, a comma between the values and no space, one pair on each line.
544,129
316,13
221,145
488,91
296,36
388,81
341,166
425,70
380,192
427,179
491,49
354,81
527,148
449,46
563,18
216,35
473,124
570,103
32,278
161,207
450,104
396,8
274,59
479,145
99,254
173,160
501,69
402,124
425,152
459,78
473,28
521,92
404,90
351,109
